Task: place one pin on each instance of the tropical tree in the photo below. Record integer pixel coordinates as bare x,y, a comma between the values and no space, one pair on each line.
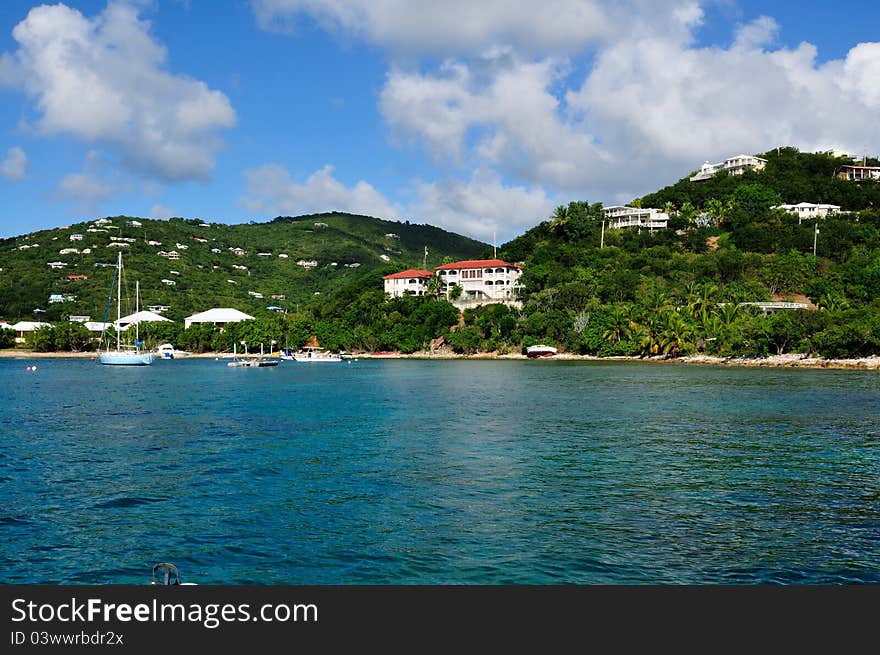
621,325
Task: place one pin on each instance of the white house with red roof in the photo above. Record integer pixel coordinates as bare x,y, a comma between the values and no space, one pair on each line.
483,281
411,282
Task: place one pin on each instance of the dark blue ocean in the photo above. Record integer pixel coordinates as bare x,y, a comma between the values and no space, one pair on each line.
438,472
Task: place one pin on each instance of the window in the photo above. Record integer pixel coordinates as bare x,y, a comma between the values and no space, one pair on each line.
499,270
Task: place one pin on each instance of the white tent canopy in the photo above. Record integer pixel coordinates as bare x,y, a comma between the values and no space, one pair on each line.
142,316
218,316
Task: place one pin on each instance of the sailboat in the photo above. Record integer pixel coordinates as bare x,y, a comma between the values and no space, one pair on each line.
124,354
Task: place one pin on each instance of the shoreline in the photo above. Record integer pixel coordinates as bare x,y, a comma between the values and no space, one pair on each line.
792,360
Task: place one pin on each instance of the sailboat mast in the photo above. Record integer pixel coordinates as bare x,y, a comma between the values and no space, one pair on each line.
118,295
137,318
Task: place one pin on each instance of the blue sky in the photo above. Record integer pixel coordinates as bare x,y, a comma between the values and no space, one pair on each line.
477,117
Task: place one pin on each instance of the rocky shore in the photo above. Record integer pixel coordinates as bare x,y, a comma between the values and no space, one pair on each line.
791,360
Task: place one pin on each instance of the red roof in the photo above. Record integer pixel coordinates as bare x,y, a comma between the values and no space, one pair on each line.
475,263
411,272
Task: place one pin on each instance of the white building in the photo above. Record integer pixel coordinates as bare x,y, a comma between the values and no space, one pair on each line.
411,282
76,237
810,210
736,165
483,281
859,173
620,216
217,316
23,328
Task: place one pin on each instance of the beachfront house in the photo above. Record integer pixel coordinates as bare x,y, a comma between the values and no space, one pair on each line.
736,165
483,281
411,282
217,316
24,328
620,216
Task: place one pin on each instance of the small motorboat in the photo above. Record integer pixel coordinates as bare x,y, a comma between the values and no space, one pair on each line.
540,350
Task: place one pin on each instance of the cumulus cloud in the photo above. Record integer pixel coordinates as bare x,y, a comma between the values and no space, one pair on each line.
161,212
85,191
271,190
596,100
102,80
482,206
452,26
14,167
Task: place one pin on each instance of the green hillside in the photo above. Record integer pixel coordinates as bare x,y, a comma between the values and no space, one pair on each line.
344,246
795,176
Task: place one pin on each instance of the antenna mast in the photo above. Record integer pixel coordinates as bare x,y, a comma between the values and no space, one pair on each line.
425,258
494,246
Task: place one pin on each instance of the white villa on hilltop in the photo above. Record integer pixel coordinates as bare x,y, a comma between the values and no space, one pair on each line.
620,216
736,165
858,173
809,210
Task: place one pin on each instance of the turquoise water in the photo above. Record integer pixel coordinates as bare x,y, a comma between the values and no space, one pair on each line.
472,472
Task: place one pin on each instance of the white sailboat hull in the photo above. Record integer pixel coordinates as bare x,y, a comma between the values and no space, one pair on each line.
125,359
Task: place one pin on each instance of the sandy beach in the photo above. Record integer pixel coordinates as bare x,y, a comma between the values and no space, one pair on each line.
791,360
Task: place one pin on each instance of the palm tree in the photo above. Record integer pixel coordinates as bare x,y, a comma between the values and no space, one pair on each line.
560,218
434,287
622,326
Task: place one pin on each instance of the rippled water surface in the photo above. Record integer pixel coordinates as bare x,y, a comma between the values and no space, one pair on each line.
473,472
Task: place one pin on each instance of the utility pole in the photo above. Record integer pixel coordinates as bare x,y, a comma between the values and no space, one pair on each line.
602,240
494,246
815,237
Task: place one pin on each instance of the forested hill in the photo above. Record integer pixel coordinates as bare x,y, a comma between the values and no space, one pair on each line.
336,249
793,175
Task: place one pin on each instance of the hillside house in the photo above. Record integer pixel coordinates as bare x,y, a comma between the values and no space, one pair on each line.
856,173
483,281
411,282
736,165
809,210
620,216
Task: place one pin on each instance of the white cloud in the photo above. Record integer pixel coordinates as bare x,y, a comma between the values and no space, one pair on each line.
84,188
650,109
161,212
452,26
102,80
271,190
482,207
14,167
602,105
506,109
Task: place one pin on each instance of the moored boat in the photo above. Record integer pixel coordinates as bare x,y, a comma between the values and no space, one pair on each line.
540,350
124,354
310,352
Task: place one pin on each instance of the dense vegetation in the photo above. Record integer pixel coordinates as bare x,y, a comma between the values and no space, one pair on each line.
671,292
342,245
